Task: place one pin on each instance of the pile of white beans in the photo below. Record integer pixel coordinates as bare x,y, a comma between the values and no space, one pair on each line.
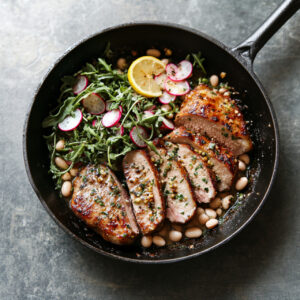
66,188
205,218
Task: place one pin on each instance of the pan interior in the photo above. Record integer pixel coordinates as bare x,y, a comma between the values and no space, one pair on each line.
182,42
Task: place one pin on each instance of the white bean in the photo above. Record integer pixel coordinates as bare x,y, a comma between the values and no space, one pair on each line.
203,218
146,241
60,145
242,165
211,223
245,158
165,61
199,211
215,203
193,232
219,212
226,94
214,80
66,176
74,172
121,63
222,90
211,213
158,241
226,202
153,52
61,163
241,183
66,188
168,52
223,75
175,236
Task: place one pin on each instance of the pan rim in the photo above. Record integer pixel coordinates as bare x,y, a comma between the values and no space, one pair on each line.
174,26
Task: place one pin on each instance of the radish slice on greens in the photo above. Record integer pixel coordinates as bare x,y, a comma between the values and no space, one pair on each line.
111,118
135,134
148,113
71,122
166,98
184,70
167,124
80,84
94,123
94,104
121,129
171,70
177,88
160,79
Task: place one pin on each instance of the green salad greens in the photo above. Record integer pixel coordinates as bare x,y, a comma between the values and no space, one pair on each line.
91,142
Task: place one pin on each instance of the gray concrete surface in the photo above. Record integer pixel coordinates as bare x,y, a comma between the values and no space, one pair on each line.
39,261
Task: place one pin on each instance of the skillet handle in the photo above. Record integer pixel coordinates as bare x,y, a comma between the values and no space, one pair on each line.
249,48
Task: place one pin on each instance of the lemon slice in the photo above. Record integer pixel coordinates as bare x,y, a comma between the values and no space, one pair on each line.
141,74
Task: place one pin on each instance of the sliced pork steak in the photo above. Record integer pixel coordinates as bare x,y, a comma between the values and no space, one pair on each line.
145,190
102,203
215,115
223,163
181,204
201,176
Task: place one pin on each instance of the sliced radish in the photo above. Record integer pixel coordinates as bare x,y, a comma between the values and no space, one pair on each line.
94,123
160,79
71,122
135,134
166,98
111,118
177,88
121,129
167,124
121,109
171,70
80,84
184,71
94,104
148,113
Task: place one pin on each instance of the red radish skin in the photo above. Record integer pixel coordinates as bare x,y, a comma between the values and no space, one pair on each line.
160,79
171,70
111,118
177,88
121,129
94,104
166,98
148,113
167,124
70,122
134,136
184,71
94,123
80,85
121,109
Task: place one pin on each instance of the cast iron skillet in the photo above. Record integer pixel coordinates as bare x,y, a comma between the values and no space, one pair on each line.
236,62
